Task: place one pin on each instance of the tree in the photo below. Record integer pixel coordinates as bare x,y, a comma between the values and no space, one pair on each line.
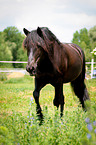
5,49
76,38
92,35
11,46
14,36
21,56
82,39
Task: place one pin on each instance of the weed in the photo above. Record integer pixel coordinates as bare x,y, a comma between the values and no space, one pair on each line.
3,77
19,124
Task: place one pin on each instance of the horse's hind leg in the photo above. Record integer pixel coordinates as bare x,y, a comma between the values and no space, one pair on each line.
80,89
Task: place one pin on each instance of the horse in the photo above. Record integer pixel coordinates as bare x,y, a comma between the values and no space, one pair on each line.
55,63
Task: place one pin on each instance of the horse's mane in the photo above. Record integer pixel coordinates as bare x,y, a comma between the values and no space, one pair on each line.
34,39
49,34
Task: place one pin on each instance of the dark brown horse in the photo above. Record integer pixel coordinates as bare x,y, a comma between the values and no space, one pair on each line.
56,63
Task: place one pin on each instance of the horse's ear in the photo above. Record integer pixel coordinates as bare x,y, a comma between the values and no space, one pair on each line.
26,31
39,32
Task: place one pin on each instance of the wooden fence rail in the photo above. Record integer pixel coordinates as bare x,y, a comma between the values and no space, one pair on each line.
26,62
13,62
23,70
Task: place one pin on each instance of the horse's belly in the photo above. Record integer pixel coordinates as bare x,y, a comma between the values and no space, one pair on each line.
72,73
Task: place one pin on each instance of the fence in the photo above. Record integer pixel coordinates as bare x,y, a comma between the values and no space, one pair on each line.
10,70
89,67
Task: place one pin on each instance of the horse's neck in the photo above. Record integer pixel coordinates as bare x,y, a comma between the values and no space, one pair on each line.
60,57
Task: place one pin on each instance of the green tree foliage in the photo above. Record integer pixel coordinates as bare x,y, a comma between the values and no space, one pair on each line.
21,56
86,40
11,46
5,49
92,35
14,36
76,38
84,37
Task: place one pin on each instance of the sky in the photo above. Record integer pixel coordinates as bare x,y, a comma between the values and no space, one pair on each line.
62,17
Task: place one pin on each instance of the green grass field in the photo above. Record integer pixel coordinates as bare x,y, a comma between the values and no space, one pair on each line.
19,124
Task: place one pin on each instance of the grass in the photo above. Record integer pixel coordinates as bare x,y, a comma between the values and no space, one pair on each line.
19,124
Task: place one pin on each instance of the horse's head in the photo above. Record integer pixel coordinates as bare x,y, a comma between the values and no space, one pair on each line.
40,49
36,50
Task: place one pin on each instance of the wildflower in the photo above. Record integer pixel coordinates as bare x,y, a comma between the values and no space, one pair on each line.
89,126
87,120
32,118
32,100
27,116
95,131
94,123
88,136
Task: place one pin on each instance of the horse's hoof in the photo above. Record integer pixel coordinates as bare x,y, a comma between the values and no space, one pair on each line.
56,103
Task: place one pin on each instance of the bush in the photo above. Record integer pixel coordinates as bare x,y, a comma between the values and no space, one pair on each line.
3,77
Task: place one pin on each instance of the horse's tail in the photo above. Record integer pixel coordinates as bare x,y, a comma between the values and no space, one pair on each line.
83,67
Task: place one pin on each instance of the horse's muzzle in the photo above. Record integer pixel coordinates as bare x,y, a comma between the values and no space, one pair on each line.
31,70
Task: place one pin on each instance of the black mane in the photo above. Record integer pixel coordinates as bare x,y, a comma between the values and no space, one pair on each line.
50,35
35,39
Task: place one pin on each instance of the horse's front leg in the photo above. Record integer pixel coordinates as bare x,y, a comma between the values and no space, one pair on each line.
38,108
59,98
39,84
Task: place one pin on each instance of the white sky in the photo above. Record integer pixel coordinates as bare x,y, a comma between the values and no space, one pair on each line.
62,17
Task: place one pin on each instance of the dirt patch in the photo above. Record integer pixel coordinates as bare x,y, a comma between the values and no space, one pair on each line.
15,75
93,89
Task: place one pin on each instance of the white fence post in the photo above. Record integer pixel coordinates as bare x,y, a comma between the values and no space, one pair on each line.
92,68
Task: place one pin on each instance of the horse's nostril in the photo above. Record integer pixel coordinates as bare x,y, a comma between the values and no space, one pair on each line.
30,69
27,68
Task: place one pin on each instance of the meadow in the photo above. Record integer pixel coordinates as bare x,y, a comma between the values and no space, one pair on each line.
19,124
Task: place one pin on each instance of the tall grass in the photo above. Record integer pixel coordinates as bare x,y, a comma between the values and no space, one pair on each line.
19,124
